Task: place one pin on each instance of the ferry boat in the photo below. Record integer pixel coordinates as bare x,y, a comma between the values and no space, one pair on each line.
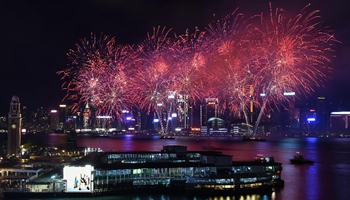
258,139
173,168
167,137
299,159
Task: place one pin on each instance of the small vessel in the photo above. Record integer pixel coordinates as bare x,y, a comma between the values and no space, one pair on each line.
299,159
167,137
103,135
59,130
258,139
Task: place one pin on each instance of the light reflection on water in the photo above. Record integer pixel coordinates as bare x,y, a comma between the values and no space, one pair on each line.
175,197
328,178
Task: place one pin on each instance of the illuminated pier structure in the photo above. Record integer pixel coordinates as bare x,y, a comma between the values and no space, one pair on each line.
172,168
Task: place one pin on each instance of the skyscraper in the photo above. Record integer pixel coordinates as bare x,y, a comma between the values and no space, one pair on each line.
322,114
62,113
14,127
54,120
86,117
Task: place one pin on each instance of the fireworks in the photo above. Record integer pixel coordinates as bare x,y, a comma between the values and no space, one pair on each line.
153,76
98,75
234,59
189,76
291,52
229,63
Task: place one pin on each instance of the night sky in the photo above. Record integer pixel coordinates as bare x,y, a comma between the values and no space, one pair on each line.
36,36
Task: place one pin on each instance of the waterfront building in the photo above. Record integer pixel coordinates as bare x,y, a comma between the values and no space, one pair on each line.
14,127
62,113
172,168
339,123
207,111
16,177
145,121
54,120
322,114
39,120
86,117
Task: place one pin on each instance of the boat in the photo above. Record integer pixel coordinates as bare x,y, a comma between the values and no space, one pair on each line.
299,159
258,139
101,135
94,134
167,137
59,130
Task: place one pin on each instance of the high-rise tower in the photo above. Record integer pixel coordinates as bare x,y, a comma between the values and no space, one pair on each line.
14,127
86,117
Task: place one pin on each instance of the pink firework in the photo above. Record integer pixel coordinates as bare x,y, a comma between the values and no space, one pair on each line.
234,60
232,81
190,66
154,79
97,75
291,52
153,76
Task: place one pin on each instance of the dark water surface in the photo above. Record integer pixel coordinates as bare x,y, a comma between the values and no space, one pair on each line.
328,178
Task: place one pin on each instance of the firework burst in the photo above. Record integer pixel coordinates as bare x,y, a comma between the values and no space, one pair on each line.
229,71
190,73
154,78
234,60
97,75
292,53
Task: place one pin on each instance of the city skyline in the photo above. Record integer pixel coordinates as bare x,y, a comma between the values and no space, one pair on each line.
41,33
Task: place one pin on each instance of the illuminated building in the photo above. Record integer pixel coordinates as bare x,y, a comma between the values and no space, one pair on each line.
86,117
322,114
103,123
62,112
182,111
14,127
208,111
173,167
339,123
309,122
54,116
39,120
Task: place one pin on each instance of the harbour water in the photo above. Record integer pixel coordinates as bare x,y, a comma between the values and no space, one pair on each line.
327,178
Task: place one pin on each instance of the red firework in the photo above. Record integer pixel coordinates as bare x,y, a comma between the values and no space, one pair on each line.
153,76
97,75
234,61
231,79
292,52
190,67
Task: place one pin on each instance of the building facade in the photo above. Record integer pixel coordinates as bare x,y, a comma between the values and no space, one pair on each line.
14,127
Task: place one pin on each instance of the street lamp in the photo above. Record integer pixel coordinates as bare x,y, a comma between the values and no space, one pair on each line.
53,183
